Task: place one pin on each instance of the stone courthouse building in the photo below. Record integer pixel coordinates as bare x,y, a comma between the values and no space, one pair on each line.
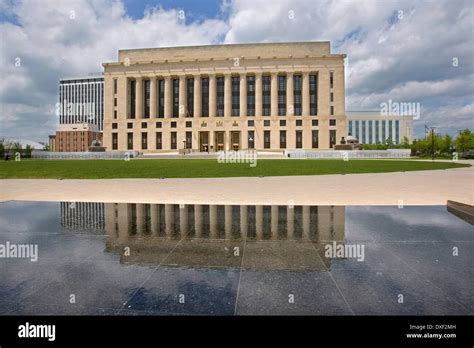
268,97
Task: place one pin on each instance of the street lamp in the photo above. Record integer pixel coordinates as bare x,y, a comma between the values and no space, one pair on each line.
184,146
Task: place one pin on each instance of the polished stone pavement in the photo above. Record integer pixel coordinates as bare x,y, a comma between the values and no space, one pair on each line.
408,252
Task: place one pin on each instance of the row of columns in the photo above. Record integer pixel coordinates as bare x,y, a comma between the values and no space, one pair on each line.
330,221
197,103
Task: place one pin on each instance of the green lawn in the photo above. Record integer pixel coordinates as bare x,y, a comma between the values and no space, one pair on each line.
202,168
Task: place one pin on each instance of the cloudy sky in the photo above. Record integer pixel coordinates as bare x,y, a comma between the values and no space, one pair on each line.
404,51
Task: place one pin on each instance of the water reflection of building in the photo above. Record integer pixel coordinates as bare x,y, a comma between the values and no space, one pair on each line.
151,231
85,216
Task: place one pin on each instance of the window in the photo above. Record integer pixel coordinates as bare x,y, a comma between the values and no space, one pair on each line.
205,97
175,98
370,132
132,98
313,95
115,114
332,96
282,123
384,124
220,96
161,98
114,141
332,110
251,139
315,138
189,140
299,139
377,132
281,95
282,139
331,79
144,141
159,141
266,95
173,124
397,132
115,101
189,124
190,97
332,138
266,123
114,125
266,139
173,139
332,122
115,86
299,123
144,124
250,95
159,125
357,130
129,125
130,141
297,95
363,133
314,123
147,99
390,131
250,123
235,96
350,128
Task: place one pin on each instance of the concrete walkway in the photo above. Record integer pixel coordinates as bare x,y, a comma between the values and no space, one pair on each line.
433,187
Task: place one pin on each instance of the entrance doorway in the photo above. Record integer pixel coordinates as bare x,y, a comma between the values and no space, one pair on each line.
235,140
220,141
204,141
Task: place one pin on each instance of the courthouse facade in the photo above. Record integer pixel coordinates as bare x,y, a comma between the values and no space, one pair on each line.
270,96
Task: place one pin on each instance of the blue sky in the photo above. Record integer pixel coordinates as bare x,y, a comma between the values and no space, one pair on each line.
399,50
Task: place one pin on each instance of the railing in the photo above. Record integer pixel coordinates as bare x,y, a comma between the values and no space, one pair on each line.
84,155
390,153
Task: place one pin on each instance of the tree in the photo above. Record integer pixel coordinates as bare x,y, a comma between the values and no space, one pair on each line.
465,141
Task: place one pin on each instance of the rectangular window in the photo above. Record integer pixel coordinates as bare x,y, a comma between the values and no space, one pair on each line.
266,123
332,122
313,95
115,86
147,99
189,124
173,139
299,123
332,110
281,95
114,141
315,123
220,96
350,128
266,139
205,97
114,125
235,111
384,133
250,95
390,131
297,95
282,123
363,133
377,132
144,141
266,95
189,140
250,123
129,141
282,139
299,139
115,114
190,97
332,138
115,101
331,79
357,130
159,141
397,132
251,139
144,124
175,97
159,125
161,98
332,96
315,138
173,124
370,132
132,98
129,125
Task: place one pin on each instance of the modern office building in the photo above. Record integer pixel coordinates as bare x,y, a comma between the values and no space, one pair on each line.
270,96
370,127
81,100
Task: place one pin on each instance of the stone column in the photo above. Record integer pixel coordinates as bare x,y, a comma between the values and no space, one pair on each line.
228,221
290,220
182,96
305,93
274,94
183,220
274,221
212,95
213,233
168,97
258,94
198,220
243,94
153,97
197,96
139,97
306,222
169,219
259,222
140,219
155,219
227,95
290,103
243,221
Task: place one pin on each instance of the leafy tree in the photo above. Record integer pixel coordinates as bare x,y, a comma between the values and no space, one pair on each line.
465,141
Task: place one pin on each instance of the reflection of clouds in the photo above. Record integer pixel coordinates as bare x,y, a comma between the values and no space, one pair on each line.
31,217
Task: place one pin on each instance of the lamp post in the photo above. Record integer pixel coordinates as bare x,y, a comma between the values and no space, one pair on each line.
184,146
